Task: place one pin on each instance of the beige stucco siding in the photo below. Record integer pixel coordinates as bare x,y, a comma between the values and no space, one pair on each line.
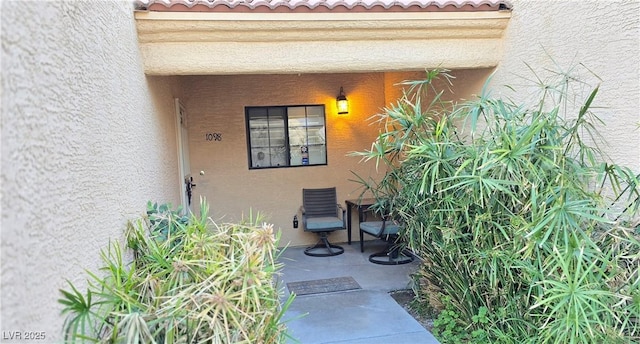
602,35
187,43
87,139
216,105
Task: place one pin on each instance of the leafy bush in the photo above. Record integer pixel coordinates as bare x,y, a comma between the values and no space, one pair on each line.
191,281
515,212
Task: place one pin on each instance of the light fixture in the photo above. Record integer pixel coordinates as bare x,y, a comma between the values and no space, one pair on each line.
342,103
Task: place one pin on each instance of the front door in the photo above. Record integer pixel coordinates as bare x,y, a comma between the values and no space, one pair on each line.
186,180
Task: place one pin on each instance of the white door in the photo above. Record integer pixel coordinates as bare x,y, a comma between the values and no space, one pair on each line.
186,180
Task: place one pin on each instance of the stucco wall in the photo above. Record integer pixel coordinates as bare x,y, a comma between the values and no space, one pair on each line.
87,139
216,105
227,43
602,35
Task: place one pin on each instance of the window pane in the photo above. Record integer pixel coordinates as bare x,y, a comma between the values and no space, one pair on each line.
278,156
286,136
317,154
267,136
297,115
259,158
316,132
306,135
315,115
297,133
276,129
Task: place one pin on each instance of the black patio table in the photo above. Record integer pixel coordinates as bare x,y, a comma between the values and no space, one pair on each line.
362,205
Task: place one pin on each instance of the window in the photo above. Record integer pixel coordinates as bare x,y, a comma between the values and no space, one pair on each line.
281,136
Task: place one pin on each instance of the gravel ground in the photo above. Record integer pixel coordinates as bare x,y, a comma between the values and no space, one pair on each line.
404,298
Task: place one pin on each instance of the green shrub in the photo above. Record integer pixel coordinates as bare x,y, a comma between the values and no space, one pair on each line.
191,281
515,213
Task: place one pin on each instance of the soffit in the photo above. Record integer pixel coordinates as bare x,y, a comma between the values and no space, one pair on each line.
181,37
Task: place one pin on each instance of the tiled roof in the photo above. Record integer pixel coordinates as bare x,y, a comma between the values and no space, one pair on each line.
321,5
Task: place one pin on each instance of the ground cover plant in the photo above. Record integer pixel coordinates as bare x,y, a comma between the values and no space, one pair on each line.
528,234
190,280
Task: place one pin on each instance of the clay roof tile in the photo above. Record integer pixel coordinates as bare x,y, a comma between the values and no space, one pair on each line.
320,5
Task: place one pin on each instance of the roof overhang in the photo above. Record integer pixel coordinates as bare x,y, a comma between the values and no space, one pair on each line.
200,43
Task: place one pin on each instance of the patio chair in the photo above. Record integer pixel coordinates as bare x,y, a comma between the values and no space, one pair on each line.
321,214
387,230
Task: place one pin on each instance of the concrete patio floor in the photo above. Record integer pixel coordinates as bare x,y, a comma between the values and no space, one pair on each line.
368,315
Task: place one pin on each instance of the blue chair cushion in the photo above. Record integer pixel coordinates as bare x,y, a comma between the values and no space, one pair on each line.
375,227
319,224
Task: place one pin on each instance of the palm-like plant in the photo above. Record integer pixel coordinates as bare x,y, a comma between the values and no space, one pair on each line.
506,204
191,281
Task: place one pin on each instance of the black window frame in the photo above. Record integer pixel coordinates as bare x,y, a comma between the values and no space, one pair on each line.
250,110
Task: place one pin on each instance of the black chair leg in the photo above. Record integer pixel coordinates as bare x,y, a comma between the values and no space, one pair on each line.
391,255
323,248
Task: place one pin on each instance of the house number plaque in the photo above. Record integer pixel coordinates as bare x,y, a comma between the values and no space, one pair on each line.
213,136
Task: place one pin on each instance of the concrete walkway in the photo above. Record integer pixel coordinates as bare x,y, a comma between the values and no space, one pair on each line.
368,315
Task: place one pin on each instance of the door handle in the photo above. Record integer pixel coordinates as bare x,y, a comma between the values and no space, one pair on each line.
189,185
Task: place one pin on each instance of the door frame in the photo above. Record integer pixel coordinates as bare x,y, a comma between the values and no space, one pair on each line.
183,151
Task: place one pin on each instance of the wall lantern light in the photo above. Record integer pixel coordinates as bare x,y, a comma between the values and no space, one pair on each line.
342,103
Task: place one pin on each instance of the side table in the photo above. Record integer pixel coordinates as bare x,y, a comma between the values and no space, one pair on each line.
362,205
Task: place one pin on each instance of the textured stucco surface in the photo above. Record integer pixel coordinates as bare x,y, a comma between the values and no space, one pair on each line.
216,105
87,139
602,35
188,43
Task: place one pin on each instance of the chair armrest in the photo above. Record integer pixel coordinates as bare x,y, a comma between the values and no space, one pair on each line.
341,210
365,213
344,215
